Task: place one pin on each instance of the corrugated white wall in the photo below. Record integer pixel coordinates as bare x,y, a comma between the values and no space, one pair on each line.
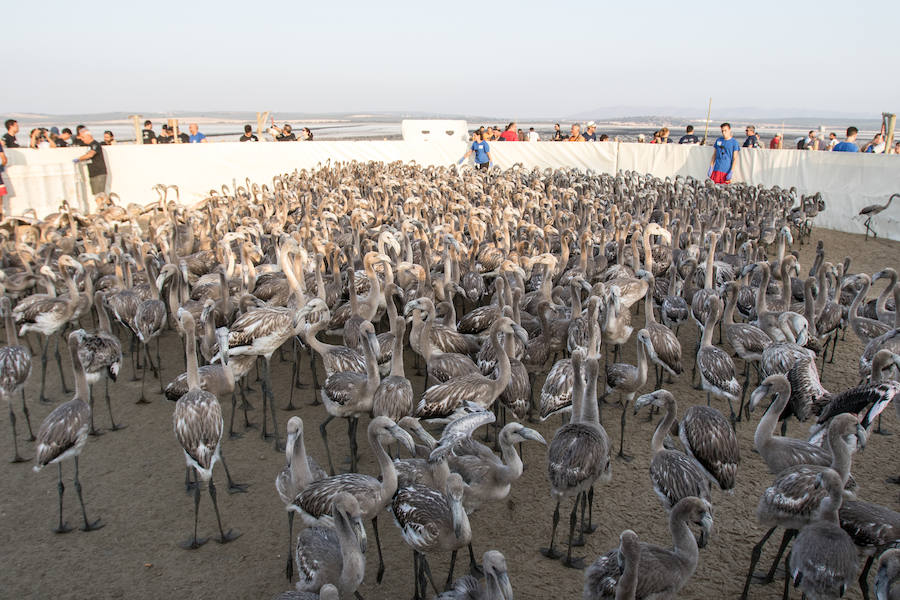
40,179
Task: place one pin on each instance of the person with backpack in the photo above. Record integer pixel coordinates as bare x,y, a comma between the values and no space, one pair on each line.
811,142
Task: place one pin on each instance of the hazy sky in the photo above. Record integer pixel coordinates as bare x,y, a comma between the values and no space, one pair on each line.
521,59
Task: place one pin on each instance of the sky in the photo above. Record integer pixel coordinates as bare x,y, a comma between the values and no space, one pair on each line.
517,59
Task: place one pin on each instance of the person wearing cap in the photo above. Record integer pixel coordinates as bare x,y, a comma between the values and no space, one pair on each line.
196,137
165,136
147,135
575,134
590,132
689,137
97,165
641,138
848,145
65,137
725,156
777,142
752,140
9,138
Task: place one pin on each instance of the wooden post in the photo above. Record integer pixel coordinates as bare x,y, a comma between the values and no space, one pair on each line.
261,118
891,120
708,111
136,120
173,125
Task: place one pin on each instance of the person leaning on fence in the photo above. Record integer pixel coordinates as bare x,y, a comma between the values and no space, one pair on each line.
108,138
196,137
832,141
849,144
248,135
482,151
725,156
9,138
689,137
876,146
752,140
147,135
65,138
509,134
590,132
97,165
558,134
165,136
575,134
3,190
777,142
306,135
533,136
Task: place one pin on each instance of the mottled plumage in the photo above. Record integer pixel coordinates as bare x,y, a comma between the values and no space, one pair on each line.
708,437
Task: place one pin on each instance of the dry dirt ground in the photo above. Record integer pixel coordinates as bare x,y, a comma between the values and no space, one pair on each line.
133,480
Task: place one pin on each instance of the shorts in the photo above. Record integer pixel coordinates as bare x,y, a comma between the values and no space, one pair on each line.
98,184
719,177
483,166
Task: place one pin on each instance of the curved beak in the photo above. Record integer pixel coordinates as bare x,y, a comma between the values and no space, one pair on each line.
531,434
402,436
506,591
705,531
642,401
410,306
757,396
520,333
458,515
861,436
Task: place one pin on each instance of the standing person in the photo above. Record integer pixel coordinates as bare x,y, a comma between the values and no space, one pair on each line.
3,190
78,141
590,134
9,138
752,140
248,135
488,135
284,134
832,141
65,138
575,134
306,135
663,136
848,145
876,146
533,136
521,134
196,137
557,134
810,142
147,135
38,139
725,156
108,138
482,151
97,166
509,134
165,136
689,137
777,142
182,137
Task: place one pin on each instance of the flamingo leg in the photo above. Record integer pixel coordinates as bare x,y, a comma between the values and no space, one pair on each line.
577,562
754,559
551,552
27,417
62,377
88,526
193,543
231,534
63,527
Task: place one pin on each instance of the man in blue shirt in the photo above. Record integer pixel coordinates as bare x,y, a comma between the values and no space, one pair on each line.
196,136
689,137
724,158
481,150
849,145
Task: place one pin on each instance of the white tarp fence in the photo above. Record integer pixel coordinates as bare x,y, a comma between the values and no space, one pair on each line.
40,179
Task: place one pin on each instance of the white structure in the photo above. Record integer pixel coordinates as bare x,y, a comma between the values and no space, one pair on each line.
434,130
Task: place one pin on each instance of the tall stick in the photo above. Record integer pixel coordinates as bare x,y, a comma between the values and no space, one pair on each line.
708,111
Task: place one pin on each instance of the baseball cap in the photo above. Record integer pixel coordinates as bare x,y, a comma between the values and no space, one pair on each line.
590,124
54,130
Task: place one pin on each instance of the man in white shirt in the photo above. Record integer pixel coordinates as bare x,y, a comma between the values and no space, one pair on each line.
533,136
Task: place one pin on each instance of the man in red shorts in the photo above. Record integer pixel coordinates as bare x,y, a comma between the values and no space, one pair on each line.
724,158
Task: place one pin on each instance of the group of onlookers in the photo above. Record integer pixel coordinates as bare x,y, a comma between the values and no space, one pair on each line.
41,137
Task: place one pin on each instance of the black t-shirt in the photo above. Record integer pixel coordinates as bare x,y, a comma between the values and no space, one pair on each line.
9,140
164,139
61,143
97,166
558,136
185,138
249,138
147,136
286,138
752,141
689,139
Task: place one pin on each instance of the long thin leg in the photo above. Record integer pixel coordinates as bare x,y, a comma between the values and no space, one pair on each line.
427,569
294,368
622,455
591,528
12,421
231,433
450,572
289,568
93,431
754,559
109,410
143,398
27,417
474,570
351,430
42,397
380,575
278,445
63,527
551,552
787,577
579,541
193,543
62,377
324,432
864,577
416,576
785,540
224,537
573,563
233,488
88,526
315,376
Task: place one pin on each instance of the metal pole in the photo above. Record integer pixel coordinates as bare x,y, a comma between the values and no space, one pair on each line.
889,136
708,111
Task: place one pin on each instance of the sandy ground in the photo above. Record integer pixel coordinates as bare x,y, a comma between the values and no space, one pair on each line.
133,480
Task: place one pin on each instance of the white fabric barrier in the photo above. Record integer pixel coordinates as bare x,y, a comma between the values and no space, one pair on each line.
848,182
